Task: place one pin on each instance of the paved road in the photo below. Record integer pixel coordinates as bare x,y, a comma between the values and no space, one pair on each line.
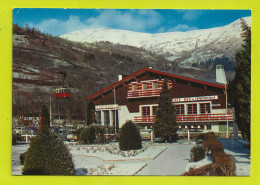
171,162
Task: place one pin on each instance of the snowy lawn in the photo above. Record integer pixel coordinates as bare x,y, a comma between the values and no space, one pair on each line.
113,153
100,159
110,160
111,169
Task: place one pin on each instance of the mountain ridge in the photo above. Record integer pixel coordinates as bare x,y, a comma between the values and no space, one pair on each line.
201,45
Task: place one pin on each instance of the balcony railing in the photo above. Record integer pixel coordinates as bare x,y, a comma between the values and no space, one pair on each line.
189,118
144,93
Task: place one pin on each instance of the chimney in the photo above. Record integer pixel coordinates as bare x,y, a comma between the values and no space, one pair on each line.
120,77
220,74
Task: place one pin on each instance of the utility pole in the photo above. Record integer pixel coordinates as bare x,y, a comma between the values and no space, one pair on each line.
50,112
39,102
115,107
226,108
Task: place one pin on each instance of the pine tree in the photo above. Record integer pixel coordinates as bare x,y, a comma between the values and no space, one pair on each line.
165,124
240,87
45,119
90,113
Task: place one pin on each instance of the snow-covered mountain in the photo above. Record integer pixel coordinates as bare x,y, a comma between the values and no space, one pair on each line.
186,48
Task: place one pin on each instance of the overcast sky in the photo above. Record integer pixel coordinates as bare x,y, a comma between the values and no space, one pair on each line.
61,21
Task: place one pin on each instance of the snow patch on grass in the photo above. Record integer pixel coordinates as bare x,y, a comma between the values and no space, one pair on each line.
109,153
111,169
192,165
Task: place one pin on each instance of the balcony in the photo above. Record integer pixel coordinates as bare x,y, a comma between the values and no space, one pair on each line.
193,118
144,93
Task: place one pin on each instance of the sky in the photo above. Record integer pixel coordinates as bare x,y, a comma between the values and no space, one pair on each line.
60,21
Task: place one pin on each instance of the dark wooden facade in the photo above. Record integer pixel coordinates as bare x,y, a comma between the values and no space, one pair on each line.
179,88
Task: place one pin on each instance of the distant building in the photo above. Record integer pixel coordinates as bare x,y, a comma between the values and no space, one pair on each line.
201,105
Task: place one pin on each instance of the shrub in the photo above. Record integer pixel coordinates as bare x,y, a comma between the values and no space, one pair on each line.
130,138
15,138
91,134
200,137
226,164
216,147
197,153
206,145
22,158
207,170
47,155
99,133
210,136
84,135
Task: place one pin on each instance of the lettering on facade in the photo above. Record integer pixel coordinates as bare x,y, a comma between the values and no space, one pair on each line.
198,98
107,107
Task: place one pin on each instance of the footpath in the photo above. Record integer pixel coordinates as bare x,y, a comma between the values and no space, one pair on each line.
240,154
171,162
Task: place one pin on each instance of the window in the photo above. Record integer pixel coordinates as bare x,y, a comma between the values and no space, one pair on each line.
192,108
133,87
205,108
155,110
144,86
145,111
106,118
180,109
155,85
98,117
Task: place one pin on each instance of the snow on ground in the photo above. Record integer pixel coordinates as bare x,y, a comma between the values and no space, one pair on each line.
113,153
239,153
111,169
16,151
152,159
100,159
192,165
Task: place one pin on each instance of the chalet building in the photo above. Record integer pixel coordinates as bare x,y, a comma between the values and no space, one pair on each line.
201,105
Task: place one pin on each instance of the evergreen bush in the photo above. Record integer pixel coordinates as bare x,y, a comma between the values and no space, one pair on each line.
84,135
91,134
48,155
197,153
130,138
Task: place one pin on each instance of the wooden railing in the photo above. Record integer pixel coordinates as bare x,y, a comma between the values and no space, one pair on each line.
189,118
144,93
